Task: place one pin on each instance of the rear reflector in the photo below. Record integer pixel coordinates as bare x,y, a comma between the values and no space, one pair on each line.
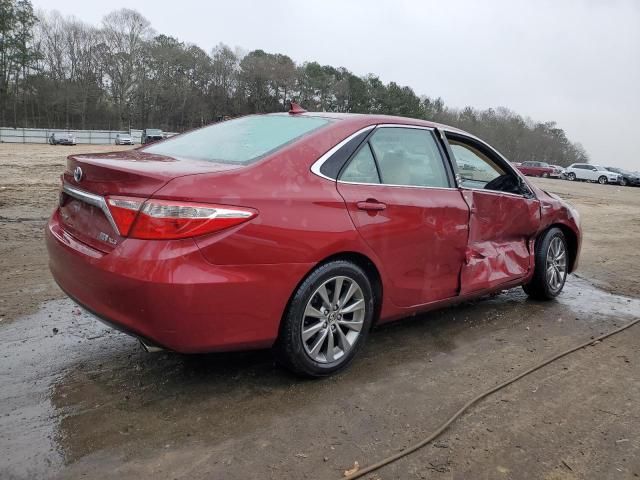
166,219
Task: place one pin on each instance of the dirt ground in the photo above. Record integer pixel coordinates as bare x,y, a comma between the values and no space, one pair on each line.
29,183
78,400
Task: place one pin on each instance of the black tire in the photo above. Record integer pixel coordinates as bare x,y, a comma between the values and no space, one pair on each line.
602,180
545,175
623,182
290,347
539,286
571,176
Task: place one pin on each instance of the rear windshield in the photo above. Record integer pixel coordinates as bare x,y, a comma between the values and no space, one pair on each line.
240,141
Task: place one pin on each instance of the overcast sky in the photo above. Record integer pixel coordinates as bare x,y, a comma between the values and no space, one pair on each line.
575,61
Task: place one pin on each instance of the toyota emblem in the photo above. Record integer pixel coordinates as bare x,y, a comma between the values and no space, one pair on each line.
77,174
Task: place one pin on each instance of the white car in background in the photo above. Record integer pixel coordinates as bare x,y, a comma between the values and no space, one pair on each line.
592,173
124,139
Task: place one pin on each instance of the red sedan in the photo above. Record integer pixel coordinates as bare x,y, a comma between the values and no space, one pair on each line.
300,231
538,169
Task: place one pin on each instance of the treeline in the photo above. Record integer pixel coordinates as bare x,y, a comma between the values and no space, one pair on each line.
59,72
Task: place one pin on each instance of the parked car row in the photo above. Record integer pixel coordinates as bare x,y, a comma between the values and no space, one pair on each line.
149,135
580,171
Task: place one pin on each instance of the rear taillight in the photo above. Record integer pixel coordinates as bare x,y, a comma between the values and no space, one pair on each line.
166,219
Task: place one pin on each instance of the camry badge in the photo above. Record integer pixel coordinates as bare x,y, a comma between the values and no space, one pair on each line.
77,174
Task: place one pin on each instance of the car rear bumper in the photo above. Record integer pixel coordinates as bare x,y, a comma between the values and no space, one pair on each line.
166,292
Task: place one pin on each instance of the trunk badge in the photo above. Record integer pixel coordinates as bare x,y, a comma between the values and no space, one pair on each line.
77,174
106,238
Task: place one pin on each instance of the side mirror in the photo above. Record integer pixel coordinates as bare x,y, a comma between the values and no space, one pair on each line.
524,188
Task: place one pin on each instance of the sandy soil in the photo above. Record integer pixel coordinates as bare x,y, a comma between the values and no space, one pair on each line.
29,182
79,400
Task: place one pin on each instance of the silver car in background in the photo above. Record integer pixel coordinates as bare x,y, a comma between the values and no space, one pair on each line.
124,139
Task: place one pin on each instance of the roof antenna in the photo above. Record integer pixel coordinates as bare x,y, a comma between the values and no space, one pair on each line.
294,108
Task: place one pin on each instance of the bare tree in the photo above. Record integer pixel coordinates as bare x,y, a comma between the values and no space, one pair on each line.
124,33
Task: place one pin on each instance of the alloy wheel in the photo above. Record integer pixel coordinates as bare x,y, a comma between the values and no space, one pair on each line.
333,319
602,180
556,264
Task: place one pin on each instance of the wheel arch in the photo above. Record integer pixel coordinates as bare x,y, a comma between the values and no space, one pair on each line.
357,258
572,242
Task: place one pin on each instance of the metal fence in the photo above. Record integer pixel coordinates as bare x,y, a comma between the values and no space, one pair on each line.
41,135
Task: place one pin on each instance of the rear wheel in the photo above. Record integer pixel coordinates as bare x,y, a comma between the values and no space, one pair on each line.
327,321
623,182
571,176
551,266
602,180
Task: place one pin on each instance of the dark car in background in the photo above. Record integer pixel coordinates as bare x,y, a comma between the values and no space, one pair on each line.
537,169
150,135
62,138
626,177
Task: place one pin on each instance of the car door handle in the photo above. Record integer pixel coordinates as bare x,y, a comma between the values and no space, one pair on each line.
371,205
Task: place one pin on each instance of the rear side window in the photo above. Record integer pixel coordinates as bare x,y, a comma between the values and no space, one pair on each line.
408,156
240,141
361,168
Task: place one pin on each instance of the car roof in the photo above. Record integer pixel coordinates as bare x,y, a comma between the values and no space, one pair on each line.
365,119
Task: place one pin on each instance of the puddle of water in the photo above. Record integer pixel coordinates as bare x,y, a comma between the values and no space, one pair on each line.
49,380
34,358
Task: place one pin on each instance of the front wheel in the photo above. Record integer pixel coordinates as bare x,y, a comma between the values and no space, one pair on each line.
545,175
551,266
327,321
571,176
602,180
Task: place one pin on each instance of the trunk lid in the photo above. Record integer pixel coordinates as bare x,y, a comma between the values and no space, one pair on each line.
91,177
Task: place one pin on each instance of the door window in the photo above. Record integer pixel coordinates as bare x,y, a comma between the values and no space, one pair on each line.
408,156
478,170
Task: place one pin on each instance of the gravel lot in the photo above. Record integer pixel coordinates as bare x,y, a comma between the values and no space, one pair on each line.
78,400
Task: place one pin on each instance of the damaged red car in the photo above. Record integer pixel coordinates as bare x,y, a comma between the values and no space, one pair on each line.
300,231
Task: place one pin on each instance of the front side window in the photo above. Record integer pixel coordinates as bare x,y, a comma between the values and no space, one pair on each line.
408,156
240,141
478,170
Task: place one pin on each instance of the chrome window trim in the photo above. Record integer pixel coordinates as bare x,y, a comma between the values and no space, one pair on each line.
498,192
402,125
91,199
315,168
393,185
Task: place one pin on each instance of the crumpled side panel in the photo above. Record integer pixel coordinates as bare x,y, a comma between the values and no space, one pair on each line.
500,229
